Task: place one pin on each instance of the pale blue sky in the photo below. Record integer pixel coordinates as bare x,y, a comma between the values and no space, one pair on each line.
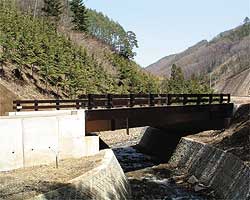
165,27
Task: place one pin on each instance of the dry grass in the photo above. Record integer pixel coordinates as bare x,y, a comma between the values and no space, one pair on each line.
29,182
235,139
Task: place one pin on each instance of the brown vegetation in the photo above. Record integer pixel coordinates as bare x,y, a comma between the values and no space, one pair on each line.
224,58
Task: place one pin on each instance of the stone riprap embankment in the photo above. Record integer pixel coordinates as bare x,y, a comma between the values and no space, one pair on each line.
223,172
107,181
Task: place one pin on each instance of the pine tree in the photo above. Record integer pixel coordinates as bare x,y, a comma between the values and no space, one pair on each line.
129,43
80,18
177,82
246,20
53,9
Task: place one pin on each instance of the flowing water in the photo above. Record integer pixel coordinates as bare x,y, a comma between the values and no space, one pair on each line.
149,180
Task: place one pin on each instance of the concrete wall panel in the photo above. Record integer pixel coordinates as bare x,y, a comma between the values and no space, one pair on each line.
11,154
40,140
91,144
71,135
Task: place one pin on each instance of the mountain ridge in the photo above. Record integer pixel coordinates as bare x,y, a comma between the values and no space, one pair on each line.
225,56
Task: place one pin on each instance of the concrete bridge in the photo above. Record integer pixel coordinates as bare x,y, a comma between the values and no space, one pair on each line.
58,129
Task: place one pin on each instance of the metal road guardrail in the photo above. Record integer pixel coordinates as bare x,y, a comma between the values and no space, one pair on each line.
108,101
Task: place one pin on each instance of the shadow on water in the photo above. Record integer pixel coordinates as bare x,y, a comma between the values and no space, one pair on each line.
131,160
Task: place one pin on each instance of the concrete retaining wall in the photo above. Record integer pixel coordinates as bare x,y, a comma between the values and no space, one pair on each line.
105,182
226,174
28,140
159,144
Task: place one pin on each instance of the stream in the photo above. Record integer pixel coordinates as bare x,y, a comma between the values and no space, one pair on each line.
149,180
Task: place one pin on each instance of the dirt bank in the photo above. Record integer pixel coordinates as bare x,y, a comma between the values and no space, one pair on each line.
120,137
235,139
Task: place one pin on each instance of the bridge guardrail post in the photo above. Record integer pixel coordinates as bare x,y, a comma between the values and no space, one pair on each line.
185,98
110,99
90,101
151,100
18,106
131,100
77,104
36,105
210,98
169,99
198,99
221,98
228,98
57,104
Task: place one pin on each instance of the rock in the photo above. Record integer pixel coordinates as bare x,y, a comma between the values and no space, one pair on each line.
193,180
171,181
211,194
179,182
199,187
179,179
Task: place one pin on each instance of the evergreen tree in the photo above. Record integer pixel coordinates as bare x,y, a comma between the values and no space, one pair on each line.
130,42
177,84
112,33
246,20
64,69
53,9
80,18
177,81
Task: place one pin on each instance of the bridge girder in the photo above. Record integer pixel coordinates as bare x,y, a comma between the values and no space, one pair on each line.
175,118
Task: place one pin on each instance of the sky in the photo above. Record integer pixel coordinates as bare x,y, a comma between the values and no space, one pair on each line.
165,27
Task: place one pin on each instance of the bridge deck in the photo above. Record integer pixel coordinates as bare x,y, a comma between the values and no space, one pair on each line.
111,112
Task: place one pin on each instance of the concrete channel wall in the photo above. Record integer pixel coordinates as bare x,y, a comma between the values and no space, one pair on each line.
28,139
105,182
225,173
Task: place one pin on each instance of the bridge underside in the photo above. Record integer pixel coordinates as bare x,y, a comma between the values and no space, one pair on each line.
190,118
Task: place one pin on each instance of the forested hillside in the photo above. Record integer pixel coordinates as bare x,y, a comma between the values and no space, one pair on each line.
225,59
112,33
34,50
61,49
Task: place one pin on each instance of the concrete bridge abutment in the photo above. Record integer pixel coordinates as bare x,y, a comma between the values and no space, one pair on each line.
43,137
158,143
161,142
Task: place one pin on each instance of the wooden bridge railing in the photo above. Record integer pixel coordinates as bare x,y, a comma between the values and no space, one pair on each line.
115,100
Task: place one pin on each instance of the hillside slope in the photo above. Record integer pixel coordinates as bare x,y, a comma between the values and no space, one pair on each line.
238,84
225,57
163,66
38,60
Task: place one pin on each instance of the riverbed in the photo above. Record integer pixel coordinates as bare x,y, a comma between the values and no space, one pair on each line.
150,180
